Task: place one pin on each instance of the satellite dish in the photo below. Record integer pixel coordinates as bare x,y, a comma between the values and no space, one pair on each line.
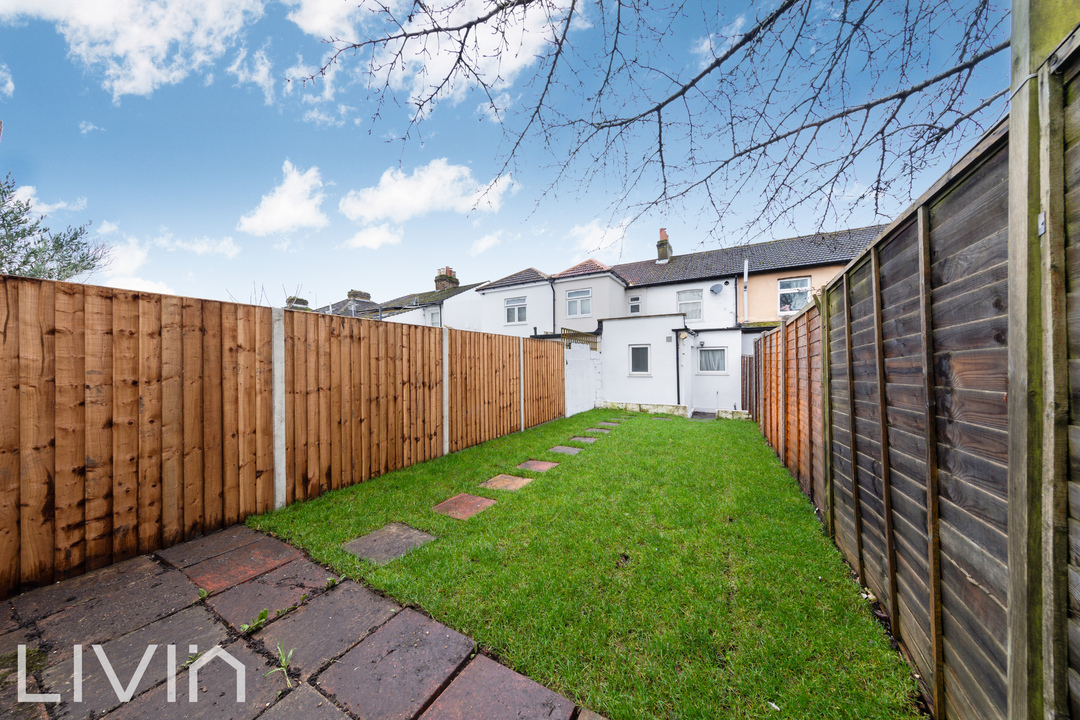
716,289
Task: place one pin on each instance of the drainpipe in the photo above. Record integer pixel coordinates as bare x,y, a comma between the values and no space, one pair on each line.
678,382
551,281
745,285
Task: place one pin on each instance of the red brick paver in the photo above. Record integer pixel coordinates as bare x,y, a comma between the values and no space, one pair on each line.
276,590
485,689
463,506
241,564
304,703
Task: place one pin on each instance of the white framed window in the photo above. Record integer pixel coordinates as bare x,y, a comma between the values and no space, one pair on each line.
634,303
436,317
515,310
689,302
639,359
579,303
712,361
794,294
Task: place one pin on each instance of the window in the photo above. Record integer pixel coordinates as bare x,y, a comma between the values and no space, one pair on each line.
712,360
436,317
578,303
515,310
794,294
690,303
635,304
639,359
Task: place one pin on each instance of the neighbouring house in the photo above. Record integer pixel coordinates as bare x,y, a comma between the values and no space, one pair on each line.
423,308
355,304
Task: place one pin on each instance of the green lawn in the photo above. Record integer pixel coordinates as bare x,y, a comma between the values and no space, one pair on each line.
672,570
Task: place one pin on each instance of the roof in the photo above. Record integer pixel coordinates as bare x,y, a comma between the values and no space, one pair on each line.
587,267
407,303
524,277
351,307
803,251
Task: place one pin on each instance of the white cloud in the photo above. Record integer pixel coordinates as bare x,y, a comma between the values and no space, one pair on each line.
323,118
125,261
86,127
375,237
327,19
437,186
495,109
7,84
28,195
259,72
481,245
107,228
140,46
200,246
709,47
293,205
601,242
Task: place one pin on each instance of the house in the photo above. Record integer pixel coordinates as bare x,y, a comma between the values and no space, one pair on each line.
423,308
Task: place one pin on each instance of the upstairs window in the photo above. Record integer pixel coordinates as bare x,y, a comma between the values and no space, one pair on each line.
794,294
579,303
515,310
690,303
634,302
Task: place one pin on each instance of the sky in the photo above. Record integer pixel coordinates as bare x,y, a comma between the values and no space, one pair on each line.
184,131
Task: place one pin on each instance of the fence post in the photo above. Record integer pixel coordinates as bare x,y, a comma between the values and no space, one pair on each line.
278,399
445,390
521,379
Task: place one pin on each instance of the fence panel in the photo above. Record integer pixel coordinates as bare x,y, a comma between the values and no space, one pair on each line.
1071,83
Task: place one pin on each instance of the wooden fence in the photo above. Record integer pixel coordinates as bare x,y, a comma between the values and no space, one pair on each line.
133,421
919,402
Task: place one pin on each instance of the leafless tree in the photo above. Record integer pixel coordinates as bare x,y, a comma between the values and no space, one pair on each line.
791,105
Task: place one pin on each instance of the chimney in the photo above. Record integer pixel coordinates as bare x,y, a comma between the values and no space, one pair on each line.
359,295
663,248
446,279
292,302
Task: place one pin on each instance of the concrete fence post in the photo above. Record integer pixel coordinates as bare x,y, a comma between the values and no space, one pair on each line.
446,391
278,402
521,379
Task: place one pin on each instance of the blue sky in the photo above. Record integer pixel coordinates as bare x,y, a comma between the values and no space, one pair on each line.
172,127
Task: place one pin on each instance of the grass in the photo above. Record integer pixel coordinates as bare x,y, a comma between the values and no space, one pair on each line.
672,570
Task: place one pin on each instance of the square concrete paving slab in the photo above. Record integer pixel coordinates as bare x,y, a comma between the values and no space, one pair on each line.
608,424
485,689
304,703
44,601
387,543
597,430
193,626
10,641
395,672
153,596
328,626
586,440
589,715
538,465
506,482
463,506
216,693
276,590
565,450
12,709
194,552
241,564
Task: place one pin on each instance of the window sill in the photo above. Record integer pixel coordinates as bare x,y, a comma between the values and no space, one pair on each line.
639,375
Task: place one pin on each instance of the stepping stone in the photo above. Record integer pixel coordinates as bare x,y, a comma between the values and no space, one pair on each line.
304,702
486,689
216,698
565,450
583,715
506,482
586,440
193,626
538,465
276,590
463,506
387,543
241,564
599,430
397,670
327,626
608,424
190,553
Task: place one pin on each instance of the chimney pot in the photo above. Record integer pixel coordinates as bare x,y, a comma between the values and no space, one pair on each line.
446,279
663,248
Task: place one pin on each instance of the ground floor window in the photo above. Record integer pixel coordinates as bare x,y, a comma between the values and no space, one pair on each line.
712,360
639,359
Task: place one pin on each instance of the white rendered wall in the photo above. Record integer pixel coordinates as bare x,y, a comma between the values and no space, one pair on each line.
607,301
658,386
538,313
711,391
717,310
463,311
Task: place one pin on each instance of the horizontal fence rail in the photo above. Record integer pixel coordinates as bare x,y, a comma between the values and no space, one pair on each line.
133,421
